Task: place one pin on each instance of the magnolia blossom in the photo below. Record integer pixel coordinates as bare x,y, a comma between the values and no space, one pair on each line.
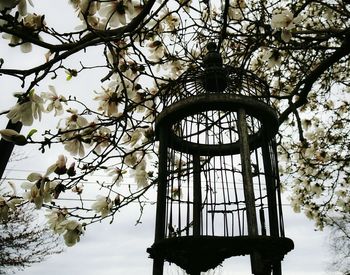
133,138
102,139
284,20
156,50
235,13
22,6
39,189
33,21
75,146
78,189
59,167
73,230
116,11
55,219
75,120
117,174
108,101
55,101
13,136
132,159
6,206
171,21
102,205
87,7
140,174
27,110
272,57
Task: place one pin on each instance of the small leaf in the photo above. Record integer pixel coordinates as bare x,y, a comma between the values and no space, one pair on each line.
32,132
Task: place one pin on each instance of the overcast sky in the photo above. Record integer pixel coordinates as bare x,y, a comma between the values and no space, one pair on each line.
120,248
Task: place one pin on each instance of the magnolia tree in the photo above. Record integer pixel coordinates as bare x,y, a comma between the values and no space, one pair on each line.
301,49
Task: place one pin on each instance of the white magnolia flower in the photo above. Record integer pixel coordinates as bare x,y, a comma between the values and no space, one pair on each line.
171,21
102,139
55,101
133,138
55,219
156,50
39,189
92,21
109,101
117,174
27,111
114,12
140,174
284,20
75,120
273,58
4,209
102,205
73,230
235,13
75,146
33,21
87,7
59,167
132,159
22,6
316,189
7,206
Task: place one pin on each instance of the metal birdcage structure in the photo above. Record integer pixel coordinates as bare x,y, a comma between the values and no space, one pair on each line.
218,183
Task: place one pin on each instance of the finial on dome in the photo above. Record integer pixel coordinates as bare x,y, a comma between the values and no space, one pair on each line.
213,57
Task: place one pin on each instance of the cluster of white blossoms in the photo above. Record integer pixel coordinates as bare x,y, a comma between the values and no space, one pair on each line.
101,15
30,21
71,229
285,21
30,107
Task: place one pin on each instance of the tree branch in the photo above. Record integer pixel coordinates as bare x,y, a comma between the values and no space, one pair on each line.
310,79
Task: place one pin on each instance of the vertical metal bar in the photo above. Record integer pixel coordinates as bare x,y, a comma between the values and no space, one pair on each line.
248,189
158,263
270,190
197,196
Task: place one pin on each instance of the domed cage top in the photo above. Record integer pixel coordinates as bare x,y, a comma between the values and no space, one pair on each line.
219,189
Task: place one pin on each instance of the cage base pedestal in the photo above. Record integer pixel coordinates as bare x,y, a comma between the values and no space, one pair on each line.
201,253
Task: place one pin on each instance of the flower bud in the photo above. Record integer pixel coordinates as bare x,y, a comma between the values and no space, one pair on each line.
13,136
